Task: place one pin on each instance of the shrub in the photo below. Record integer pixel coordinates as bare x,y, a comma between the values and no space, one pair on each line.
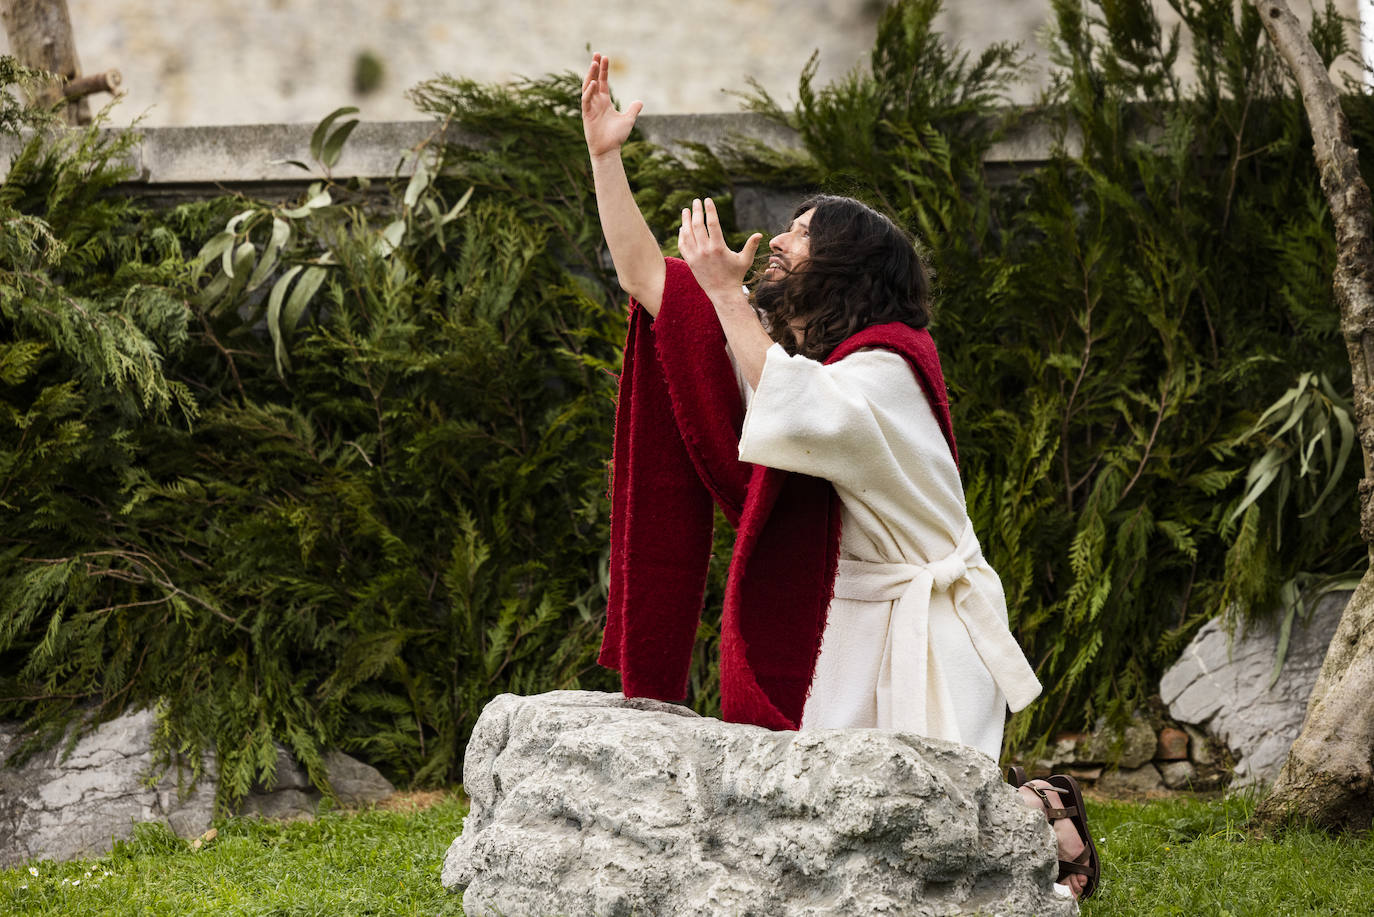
339,477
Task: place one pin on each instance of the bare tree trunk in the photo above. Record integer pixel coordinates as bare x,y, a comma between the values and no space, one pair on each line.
1329,775
40,34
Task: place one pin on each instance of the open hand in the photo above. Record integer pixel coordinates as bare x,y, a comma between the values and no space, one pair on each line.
702,244
604,127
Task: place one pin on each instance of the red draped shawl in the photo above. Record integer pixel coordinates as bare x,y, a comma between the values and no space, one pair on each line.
678,421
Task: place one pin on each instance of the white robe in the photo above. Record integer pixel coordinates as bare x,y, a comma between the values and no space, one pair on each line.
917,636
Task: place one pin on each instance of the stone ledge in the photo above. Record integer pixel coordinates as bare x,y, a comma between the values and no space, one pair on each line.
203,161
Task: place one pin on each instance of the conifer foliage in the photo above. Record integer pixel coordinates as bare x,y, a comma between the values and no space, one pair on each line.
314,473
1119,325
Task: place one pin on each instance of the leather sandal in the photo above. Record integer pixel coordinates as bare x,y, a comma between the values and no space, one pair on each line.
1076,813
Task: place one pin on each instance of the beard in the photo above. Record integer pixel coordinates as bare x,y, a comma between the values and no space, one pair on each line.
777,309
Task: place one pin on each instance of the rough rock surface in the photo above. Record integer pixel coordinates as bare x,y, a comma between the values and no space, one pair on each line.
60,806
1135,781
586,803
1177,775
1131,747
1222,685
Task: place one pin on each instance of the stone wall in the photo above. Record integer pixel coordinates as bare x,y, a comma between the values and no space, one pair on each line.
263,61
977,23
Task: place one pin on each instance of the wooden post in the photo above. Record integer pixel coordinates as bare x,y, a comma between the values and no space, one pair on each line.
40,34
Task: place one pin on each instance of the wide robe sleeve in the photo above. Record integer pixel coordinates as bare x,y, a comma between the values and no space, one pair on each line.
865,424
861,423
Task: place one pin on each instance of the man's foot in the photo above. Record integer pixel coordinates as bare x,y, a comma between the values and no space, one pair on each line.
1062,804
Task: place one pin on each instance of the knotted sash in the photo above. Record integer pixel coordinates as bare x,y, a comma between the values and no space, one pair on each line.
910,696
678,420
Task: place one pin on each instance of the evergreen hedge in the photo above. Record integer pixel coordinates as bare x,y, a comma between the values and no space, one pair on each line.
334,473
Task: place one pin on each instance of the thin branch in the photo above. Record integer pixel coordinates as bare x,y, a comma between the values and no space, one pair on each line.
1159,417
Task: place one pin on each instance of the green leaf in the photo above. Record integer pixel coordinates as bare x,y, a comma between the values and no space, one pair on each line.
333,148
214,290
317,139
1291,601
282,320
289,162
435,219
1347,444
216,246
458,207
240,262
1304,400
321,199
1262,474
281,234
237,220
304,291
1305,464
1284,400
274,303
418,182
391,238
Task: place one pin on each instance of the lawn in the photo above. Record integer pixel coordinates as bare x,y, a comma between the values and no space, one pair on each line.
368,863
1185,856
1175,856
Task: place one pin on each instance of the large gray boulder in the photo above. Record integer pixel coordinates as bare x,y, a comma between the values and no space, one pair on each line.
1221,684
590,804
62,806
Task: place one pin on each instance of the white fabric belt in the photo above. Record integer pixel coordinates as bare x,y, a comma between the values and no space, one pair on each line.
911,586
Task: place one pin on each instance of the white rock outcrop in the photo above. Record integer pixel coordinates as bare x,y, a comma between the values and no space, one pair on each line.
586,803
61,806
1221,684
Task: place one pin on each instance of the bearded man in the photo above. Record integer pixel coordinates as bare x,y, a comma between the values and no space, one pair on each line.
813,411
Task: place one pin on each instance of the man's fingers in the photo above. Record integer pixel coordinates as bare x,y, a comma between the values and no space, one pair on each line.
634,108
697,219
751,247
712,219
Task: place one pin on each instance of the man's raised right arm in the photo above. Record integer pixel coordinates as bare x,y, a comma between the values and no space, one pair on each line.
634,250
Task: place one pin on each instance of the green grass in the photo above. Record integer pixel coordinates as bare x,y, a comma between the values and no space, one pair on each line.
1177,856
1184,856
369,863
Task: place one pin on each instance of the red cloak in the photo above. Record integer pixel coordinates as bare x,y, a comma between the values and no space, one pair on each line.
678,420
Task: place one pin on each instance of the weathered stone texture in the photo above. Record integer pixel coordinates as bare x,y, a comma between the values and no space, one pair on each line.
60,806
274,60
1173,744
1135,781
1221,684
1177,775
1130,747
586,803
293,60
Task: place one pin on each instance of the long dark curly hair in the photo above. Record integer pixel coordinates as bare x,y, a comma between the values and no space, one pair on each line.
862,270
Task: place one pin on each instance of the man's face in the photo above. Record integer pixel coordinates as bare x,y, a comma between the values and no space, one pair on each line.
789,250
